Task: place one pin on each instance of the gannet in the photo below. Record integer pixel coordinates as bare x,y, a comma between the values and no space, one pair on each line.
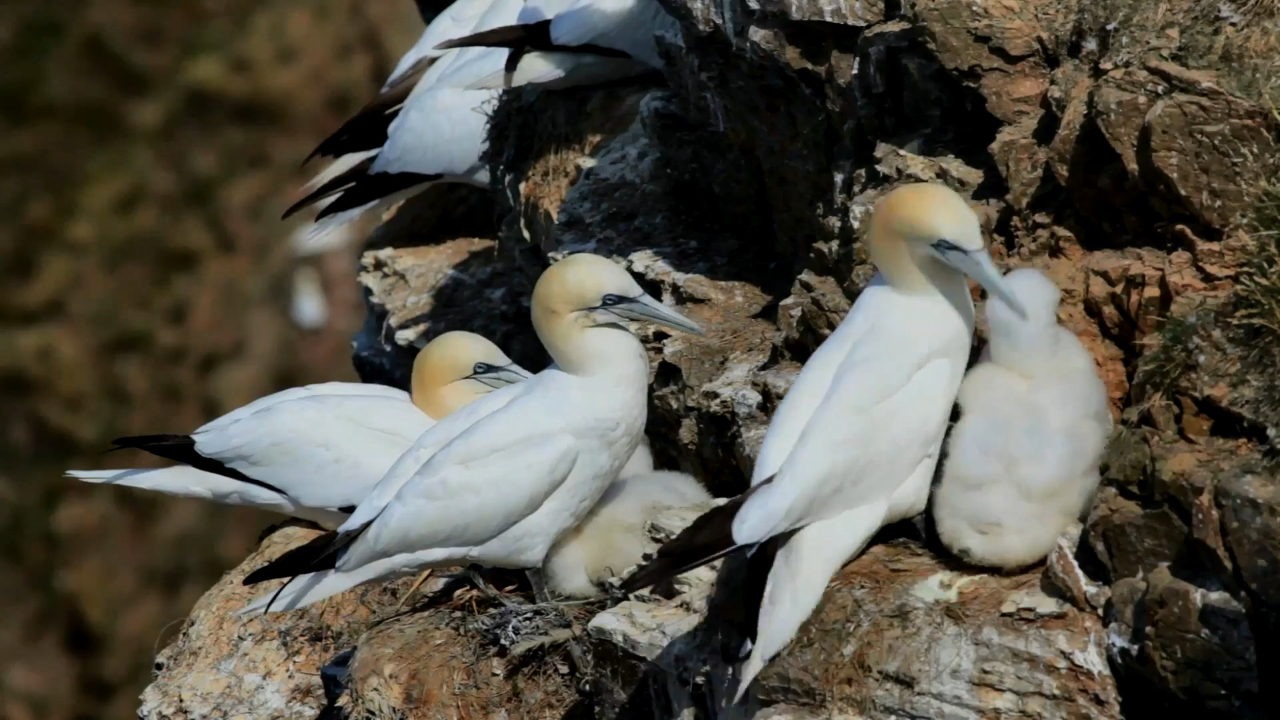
314,452
366,131
502,490
1022,462
612,537
854,443
437,136
561,43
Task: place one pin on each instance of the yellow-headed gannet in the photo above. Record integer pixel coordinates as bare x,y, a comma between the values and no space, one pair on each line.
854,443
438,135
500,491
612,537
315,452
1022,463
561,43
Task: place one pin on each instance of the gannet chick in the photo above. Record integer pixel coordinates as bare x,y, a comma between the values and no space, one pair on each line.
612,537
314,452
562,43
854,443
437,136
1022,462
501,491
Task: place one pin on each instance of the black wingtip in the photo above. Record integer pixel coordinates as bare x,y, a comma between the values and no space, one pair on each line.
527,37
318,554
707,539
182,448
507,36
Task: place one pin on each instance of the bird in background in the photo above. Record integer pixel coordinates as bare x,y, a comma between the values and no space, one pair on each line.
314,452
612,536
563,43
854,443
437,135
1022,462
365,132
501,491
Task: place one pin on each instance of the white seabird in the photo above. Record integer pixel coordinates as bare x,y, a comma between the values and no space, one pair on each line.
437,136
1022,462
366,131
612,537
854,443
562,43
502,490
314,452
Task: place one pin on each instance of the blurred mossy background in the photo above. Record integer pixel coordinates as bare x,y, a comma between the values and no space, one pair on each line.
148,148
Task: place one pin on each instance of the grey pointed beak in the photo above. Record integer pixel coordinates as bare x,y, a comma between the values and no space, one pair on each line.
501,376
646,309
978,265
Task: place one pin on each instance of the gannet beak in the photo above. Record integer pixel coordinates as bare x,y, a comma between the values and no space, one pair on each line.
978,265
645,308
501,376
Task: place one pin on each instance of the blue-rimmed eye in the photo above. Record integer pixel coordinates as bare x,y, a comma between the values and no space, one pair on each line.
611,300
481,368
946,246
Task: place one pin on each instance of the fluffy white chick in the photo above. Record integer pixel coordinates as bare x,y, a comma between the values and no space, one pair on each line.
612,537
1022,462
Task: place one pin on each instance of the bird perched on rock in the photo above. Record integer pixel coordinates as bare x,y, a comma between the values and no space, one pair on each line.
314,452
1022,462
854,443
501,491
436,135
367,130
561,43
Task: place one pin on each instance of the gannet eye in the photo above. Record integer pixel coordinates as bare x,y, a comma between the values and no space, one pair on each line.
946,246
611,300
481,368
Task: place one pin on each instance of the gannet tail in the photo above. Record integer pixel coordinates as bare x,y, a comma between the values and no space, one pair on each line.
182,448
529,37
316,586
320,553
797,578
189,482
707,539
367,129
185,481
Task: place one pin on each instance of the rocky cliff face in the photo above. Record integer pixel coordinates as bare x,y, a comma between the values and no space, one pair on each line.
1128,149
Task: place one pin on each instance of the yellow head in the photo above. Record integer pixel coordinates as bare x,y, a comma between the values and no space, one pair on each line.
456,368
585,293
924,223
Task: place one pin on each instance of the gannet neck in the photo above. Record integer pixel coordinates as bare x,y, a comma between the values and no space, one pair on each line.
441,401
586,350
895,261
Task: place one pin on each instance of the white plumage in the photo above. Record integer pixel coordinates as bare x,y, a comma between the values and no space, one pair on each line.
437,135
1022,462
603,40
502,490
612,536
315,451
853,446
